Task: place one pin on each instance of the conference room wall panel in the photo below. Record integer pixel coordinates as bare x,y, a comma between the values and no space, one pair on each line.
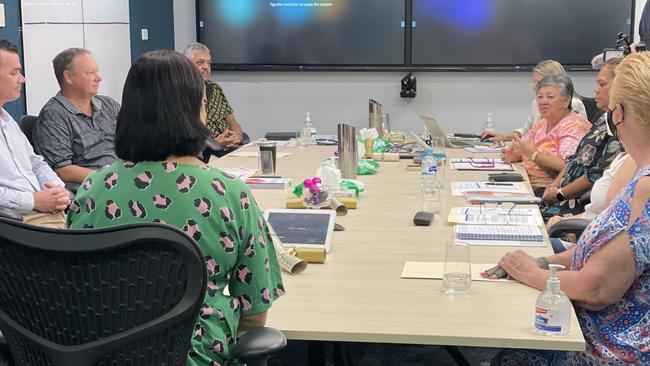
52,11
102,11
40,83
112,53
49,27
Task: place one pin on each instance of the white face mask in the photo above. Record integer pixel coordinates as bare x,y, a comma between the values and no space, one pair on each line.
609,130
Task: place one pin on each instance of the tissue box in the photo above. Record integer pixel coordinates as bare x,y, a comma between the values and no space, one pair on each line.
385,156
312,255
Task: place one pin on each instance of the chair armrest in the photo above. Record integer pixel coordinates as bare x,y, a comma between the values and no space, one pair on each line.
211,148
5,353
585,198
258,343
573,225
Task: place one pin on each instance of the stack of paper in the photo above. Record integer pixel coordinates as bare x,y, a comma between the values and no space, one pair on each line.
239,172
488,164
267,183
494,216
501,197
461,188
478,149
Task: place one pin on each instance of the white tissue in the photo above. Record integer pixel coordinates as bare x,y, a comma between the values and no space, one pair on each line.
329,176
368,133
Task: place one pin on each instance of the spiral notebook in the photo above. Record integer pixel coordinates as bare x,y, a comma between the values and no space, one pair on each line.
499,232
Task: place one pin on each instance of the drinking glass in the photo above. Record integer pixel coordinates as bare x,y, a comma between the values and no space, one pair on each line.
457,274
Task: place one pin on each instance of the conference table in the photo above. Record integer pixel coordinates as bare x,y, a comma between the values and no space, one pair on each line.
357,295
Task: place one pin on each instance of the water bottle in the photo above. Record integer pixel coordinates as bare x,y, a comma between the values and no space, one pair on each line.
489,124
430,185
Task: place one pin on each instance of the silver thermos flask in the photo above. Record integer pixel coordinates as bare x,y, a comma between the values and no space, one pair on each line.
374,116
347,150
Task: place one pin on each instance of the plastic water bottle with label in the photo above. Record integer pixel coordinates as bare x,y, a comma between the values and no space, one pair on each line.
430,187
489,125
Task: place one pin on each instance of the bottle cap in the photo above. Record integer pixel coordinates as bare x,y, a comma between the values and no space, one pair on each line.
553,283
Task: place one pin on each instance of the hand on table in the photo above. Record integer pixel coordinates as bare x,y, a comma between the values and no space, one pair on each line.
509,156
521,266
550,194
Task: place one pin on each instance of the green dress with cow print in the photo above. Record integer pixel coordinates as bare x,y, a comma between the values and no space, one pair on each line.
219,212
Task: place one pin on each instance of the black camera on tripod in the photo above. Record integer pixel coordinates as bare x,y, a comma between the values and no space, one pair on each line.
623,47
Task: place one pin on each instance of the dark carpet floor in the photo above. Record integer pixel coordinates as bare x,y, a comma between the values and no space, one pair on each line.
372,354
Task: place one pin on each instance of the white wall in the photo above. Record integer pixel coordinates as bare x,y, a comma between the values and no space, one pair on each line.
637,16
265,101
51,26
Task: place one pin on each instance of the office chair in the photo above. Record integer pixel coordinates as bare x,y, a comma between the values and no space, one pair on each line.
123,295
593,113
27,123
574,226
213,148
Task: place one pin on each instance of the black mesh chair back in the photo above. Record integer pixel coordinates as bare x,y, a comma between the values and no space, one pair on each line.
27,123
126,295
593,113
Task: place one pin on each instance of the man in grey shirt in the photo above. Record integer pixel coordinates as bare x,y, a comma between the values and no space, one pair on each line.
75,131
29,189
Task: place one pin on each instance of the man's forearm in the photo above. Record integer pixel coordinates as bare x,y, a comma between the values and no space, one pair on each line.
73,173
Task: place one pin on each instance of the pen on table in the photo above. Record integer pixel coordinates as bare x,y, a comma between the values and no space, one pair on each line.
498,184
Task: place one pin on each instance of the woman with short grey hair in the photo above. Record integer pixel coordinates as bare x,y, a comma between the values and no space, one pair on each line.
544,149
541,70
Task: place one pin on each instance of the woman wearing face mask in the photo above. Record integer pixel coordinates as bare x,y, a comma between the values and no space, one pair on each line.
608,276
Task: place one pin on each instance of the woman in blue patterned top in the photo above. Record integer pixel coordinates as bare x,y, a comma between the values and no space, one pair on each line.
609,270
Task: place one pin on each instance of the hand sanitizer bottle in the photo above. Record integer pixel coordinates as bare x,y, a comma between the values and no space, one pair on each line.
489,124
306,132
553,307
312,129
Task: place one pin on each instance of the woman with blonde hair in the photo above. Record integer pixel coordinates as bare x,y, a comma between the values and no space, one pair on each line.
608,272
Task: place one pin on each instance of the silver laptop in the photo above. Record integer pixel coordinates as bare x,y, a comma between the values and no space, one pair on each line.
435,131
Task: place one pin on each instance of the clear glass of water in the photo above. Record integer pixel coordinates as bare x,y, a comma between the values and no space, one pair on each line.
457,274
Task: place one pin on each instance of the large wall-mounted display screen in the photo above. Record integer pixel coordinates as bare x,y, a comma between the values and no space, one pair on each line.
292,32
515,32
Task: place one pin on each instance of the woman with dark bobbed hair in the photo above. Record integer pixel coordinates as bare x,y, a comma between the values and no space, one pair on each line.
159,179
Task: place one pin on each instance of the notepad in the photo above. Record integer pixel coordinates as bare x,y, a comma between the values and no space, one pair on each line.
499,232
434,270
494,216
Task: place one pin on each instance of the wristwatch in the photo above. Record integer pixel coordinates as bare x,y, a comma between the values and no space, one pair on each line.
534,156
560,196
